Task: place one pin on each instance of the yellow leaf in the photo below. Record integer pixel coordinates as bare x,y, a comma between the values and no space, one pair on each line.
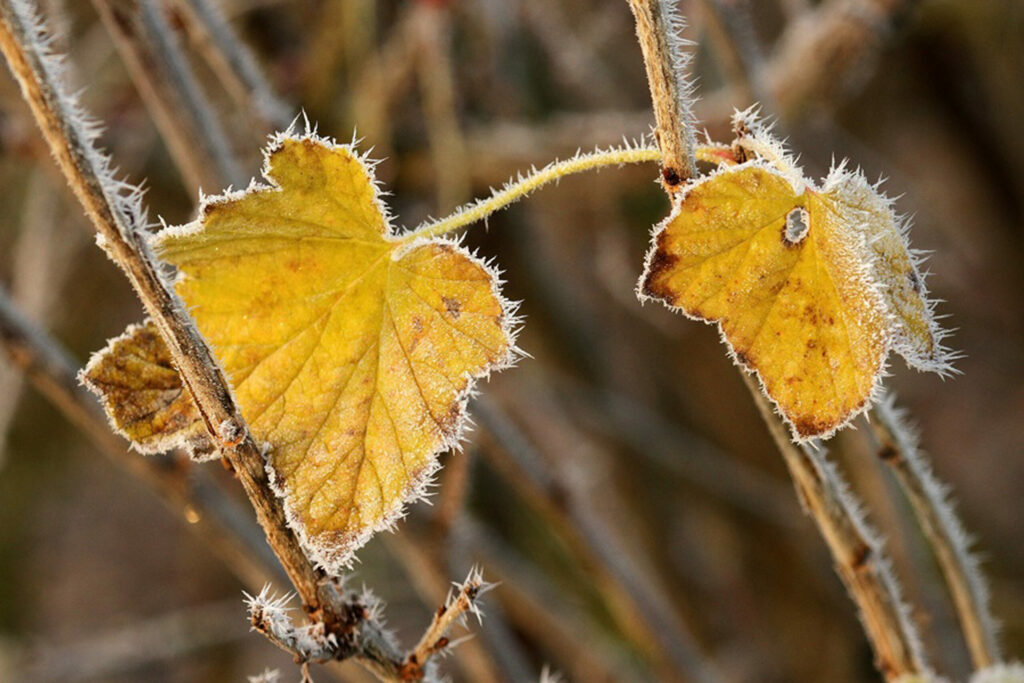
810,286
915,334
143,395
351,350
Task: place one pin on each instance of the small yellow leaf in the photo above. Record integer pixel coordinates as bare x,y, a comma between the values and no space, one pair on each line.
810,286
351,349
143,395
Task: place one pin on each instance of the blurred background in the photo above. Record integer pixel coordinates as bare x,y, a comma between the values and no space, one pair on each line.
619,482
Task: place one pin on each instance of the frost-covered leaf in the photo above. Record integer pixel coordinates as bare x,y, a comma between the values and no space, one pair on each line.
143,395
351,349
811,286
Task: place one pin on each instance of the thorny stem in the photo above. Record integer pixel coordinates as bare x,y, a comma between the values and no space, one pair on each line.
424,571
856,551
119,223
656,28
897,448
453,611
523,186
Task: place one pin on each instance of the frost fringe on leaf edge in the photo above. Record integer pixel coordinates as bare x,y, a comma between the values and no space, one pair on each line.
335,558
786,167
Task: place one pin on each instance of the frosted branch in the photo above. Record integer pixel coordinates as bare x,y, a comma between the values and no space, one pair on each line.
856,549
936,514
435,641
658,27
116,211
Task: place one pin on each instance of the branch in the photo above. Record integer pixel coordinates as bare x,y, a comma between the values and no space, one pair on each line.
856,550
897,448
429,579
233,62
657,27
435,639
194,136
116,211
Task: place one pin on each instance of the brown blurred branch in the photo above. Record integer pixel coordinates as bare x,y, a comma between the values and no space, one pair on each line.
234,63
437,87
133,647
189,494
542,611
181,111
856,550
40,267
823,51
896,445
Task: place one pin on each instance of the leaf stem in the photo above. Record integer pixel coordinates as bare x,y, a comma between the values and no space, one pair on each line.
897,448
518,188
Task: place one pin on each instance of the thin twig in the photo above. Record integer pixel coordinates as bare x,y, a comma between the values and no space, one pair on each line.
430,581
437,89
657,27
435,639
234,63
149,49
116,212
228,532
856,550
544,613
929,498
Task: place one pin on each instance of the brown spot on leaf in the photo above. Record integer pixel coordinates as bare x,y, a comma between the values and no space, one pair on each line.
661,261
810,426
452,306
